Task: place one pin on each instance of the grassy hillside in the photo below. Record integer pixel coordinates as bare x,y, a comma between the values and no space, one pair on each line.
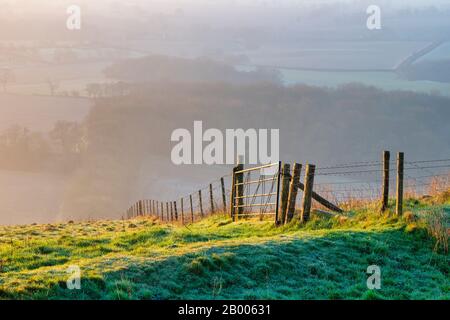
216,258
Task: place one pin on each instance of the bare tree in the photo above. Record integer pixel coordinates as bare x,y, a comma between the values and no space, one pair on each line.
6,76
53,85
93,90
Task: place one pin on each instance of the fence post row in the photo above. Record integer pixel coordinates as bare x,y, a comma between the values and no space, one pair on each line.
307,194
287,190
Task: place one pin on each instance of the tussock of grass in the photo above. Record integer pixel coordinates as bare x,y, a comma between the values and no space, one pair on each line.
250,259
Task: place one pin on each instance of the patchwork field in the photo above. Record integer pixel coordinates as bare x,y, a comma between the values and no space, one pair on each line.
345,55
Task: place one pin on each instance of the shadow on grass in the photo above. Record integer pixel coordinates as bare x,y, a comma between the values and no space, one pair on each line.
329,267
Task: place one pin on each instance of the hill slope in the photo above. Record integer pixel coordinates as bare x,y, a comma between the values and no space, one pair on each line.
216,258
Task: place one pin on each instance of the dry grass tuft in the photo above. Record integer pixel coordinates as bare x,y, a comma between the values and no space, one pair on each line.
436,224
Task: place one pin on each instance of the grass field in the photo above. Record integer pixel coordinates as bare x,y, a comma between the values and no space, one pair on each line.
216,258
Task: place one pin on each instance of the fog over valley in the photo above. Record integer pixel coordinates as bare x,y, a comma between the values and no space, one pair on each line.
86,116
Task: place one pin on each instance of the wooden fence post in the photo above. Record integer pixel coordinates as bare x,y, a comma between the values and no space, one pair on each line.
239,191
167,212
285,191
400,168
175,210
211,198
162,211
277,202
224,197
385,190
141,209
200,202
171,211
293,188
182,211
233,194
307,194
192,209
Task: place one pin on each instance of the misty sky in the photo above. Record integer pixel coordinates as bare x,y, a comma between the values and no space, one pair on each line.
308,51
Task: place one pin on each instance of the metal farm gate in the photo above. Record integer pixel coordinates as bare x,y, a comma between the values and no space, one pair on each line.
255,191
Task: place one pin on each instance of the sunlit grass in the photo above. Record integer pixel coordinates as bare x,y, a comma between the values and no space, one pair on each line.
216,258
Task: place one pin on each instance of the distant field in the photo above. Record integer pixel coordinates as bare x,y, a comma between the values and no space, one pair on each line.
440,53
340,63
373,55
40,113
33,79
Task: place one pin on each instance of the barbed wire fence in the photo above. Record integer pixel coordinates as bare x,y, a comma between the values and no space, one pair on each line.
360,184
281,194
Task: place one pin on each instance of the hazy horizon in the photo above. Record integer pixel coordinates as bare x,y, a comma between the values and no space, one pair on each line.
73,103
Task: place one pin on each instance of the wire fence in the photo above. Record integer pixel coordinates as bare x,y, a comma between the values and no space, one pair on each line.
345,186
360,184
